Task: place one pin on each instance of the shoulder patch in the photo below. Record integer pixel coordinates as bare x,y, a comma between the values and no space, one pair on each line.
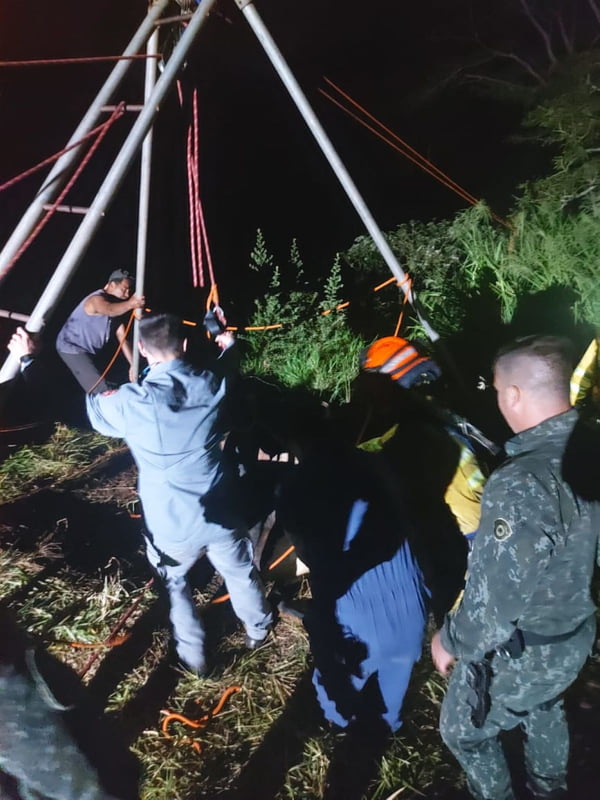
502,530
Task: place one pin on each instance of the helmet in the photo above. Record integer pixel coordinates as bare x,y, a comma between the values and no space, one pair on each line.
399,359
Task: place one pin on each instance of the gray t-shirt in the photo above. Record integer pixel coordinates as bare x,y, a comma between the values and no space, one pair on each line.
87,333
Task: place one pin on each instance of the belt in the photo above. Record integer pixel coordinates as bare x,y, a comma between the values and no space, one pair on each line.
529,637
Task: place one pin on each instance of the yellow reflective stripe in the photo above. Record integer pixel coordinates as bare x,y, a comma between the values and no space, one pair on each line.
585,374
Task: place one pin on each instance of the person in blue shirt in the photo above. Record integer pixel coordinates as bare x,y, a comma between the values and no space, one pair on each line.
172,422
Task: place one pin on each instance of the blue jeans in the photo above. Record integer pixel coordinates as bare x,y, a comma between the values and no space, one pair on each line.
229,553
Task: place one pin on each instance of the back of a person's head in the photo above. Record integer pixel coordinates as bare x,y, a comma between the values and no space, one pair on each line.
538,363
162,332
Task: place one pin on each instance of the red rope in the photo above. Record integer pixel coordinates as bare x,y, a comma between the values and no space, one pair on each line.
50,159
196,272
199,244
83,60
195,244
118,112
204,235
112,637
194,166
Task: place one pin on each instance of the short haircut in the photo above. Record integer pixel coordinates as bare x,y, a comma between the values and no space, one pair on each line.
551,361
162,332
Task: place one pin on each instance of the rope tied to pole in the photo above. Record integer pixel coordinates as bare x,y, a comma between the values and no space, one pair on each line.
100,133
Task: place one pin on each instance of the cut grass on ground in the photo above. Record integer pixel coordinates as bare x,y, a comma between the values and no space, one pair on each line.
269,739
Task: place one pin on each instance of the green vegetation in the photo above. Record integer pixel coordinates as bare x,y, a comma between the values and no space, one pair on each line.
65,451
314,348
555,240
552,237
432,256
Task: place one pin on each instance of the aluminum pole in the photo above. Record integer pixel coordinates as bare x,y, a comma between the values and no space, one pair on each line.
62,169
264,37
86,230
144,201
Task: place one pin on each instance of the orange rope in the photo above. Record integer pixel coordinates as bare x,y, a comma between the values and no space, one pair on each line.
25,427
409,152
282,557
213,296
403,308
385,283
196,724
221,599
116,353
446,182
450,182
339,307
115,641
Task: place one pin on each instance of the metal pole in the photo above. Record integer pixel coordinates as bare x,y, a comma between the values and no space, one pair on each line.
63,167
14,315
264,37
144,201
86,230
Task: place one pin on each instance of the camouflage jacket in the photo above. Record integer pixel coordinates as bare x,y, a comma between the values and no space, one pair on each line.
535,549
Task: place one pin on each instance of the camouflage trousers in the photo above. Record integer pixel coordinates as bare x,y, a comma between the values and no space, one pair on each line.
525,692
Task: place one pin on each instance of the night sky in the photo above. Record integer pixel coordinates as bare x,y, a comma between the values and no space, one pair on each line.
259,165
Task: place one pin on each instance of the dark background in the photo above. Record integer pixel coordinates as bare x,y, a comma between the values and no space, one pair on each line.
260,166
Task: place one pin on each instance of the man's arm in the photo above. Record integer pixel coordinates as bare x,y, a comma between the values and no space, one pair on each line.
98,305
509,557
227,365
125,346
23,347
442,659
106,413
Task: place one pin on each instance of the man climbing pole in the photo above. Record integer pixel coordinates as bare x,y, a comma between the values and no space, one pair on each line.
92,324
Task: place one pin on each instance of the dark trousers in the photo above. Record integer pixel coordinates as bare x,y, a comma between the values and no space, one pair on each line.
85,371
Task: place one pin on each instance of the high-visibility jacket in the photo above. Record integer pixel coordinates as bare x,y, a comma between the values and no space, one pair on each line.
585,380
463,494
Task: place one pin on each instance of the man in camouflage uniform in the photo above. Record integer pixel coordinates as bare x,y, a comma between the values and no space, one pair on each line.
528,586
53,744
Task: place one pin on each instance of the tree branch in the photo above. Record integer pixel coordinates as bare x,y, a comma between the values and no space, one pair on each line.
570,198
522,63
488,79
541,30
595,10
568,39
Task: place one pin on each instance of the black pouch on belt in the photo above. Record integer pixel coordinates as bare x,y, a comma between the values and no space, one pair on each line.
479,679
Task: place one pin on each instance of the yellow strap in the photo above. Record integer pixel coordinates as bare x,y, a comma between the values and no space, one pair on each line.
586,374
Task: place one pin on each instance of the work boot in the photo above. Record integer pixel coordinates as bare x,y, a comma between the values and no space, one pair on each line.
251,643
